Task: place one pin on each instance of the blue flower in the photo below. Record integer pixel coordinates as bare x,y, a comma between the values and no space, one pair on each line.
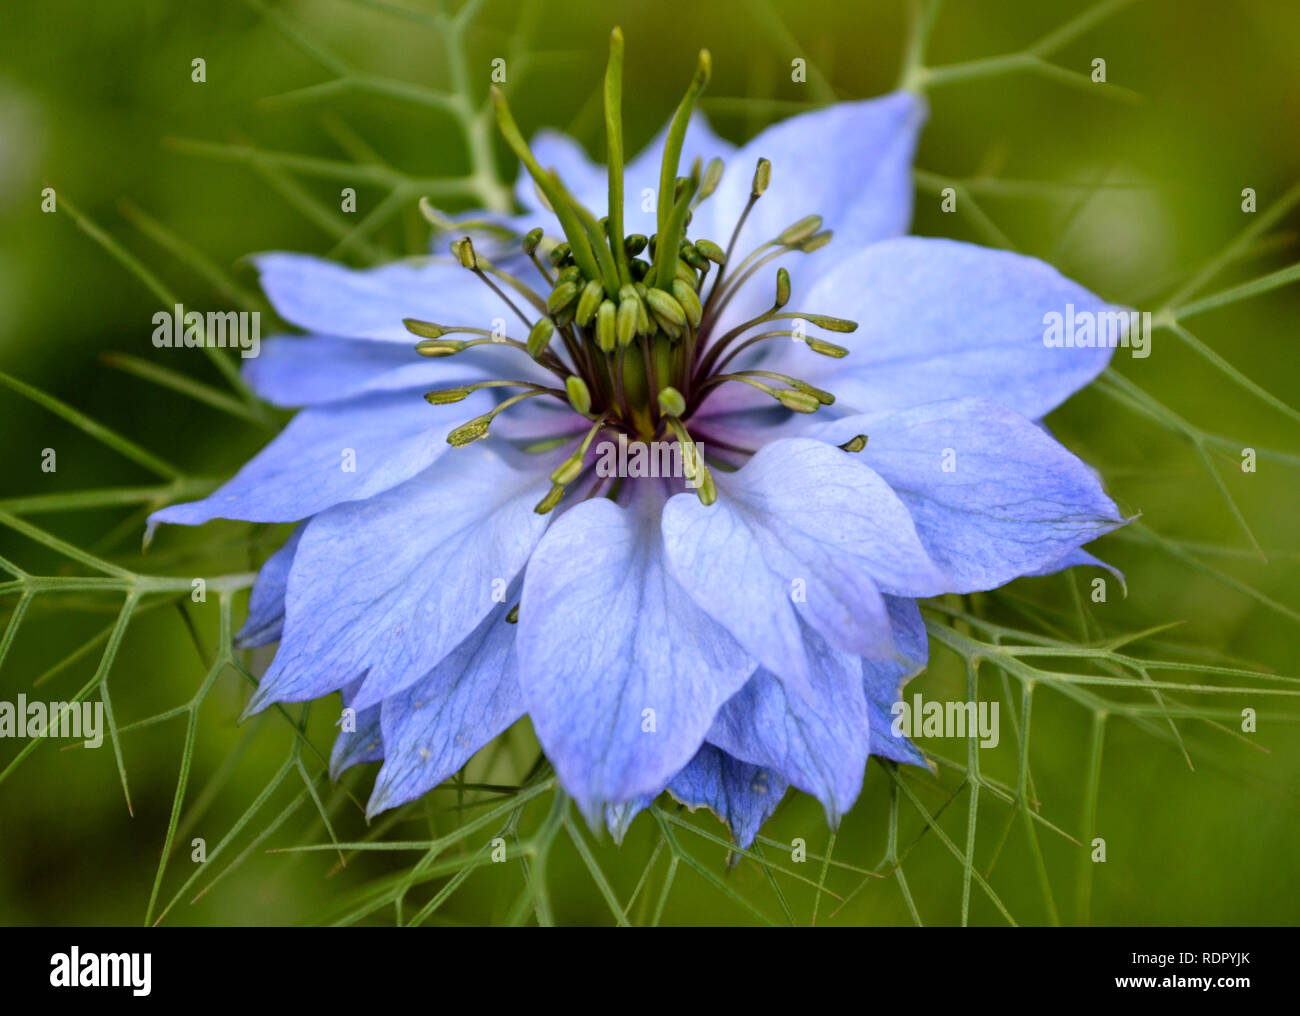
734,628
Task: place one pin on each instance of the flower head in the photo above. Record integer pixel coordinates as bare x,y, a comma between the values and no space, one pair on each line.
681,515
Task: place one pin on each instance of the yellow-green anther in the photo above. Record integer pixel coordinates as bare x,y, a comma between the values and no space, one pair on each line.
671,402
816,242
540,337
552,498
694,259
446,396
689,300
531,239
685,272
826,348
709,182
468,433
424,329
820,394
762,177
800,402
798,232
579,394
665,308
592,294
707,490
606,326
561,296
635,244
439,347
782,287
559,254
629,311
855,444
571,274
831,324
677,135
570,469
512,615
643,323
463,251
711,251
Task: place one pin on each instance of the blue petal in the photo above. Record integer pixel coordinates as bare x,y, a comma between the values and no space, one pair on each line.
605,637
302,371
618,817
992,495
369,303
883,681
1082,559
266,601
364,744
801,530
741,795
388,587
437,724
943,320
850,163
819,744
327,455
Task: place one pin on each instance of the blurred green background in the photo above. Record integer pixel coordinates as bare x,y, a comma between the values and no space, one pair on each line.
1129,197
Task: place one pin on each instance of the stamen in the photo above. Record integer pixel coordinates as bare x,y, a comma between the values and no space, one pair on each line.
477,428
571,468
693,466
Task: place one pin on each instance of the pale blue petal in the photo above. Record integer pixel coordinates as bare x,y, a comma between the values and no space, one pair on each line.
266,601
883,681
301,371
992,495
618,817
364,744
820,743
1082,559
369,303
850,163
943,320
622,675
803,529
436,725
741,795
346,451
389,586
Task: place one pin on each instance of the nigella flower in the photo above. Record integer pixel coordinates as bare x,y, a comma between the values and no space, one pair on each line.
851,418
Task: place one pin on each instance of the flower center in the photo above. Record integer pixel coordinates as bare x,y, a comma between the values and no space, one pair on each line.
628,323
